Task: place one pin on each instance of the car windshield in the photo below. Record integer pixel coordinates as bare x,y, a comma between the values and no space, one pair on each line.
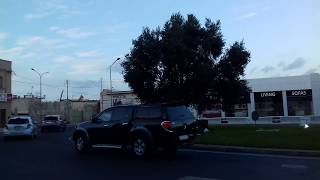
18,121
179,113
51,118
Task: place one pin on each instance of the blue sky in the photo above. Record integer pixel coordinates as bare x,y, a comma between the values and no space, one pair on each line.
76,40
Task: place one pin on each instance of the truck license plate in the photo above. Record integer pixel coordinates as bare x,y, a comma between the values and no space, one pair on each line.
183,137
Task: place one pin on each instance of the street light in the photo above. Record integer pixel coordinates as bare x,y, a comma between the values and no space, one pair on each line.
40,76
111,80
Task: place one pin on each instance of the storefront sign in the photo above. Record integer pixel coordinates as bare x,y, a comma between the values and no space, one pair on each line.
298,93
263,96
268,94
307,92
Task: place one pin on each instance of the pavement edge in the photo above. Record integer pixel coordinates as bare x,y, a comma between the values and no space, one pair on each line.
240,149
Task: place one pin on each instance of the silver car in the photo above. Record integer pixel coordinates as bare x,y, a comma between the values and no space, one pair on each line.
21,126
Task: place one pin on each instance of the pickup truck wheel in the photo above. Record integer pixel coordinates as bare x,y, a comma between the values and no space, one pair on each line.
81,143
140,146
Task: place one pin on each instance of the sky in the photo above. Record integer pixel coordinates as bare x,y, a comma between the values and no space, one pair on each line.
77,40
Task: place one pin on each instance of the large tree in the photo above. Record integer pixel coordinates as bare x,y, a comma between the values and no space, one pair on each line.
184,62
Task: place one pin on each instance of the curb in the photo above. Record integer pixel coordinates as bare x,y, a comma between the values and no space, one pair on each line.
240,149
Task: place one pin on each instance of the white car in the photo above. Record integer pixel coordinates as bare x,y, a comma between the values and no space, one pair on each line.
21,126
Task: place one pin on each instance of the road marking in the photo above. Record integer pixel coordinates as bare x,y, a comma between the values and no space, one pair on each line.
251,154
196,178
294,166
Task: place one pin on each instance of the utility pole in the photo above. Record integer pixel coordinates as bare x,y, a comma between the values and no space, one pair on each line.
101,85
67,114
67,89
101,95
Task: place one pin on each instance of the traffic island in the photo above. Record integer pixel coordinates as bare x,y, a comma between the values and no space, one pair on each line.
284,140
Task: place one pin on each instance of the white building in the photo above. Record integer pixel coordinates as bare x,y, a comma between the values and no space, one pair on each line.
285,96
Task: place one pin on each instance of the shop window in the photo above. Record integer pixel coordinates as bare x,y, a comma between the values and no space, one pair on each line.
299,102
269,103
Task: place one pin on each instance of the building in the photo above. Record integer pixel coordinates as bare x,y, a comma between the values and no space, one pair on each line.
5,90
285,96
108,98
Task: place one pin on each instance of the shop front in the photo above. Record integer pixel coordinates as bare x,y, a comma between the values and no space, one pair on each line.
269,103
299,102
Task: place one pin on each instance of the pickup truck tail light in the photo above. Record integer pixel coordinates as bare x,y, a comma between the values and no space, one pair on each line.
167,125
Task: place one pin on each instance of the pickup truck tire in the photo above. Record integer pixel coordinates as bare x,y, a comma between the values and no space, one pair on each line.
140,146
81,143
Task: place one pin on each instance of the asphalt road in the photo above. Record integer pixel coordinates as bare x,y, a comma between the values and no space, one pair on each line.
52,156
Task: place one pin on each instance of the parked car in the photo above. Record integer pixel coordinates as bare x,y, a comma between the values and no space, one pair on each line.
142,128
53,122
21,126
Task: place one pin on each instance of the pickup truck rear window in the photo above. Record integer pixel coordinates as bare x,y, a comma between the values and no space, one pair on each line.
148,112
179,113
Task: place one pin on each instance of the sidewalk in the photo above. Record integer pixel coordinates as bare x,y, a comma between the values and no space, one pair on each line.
239,149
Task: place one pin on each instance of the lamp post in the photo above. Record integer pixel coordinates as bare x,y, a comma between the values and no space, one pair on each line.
40,77
111,104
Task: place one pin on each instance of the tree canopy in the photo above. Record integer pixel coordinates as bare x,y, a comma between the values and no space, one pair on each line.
185,62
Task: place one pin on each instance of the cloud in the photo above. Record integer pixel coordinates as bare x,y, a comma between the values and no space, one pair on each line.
54,28
36,48
64,59
28,55
11,53
266,8
88,54
86,68
85,84
296,64
247,15
43,42
65,45
38,40
312,70
281,64
74,33
36,15
268,69
45,9
253,70
117,27
3,36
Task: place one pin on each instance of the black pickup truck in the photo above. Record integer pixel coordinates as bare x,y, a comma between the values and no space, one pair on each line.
143,128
